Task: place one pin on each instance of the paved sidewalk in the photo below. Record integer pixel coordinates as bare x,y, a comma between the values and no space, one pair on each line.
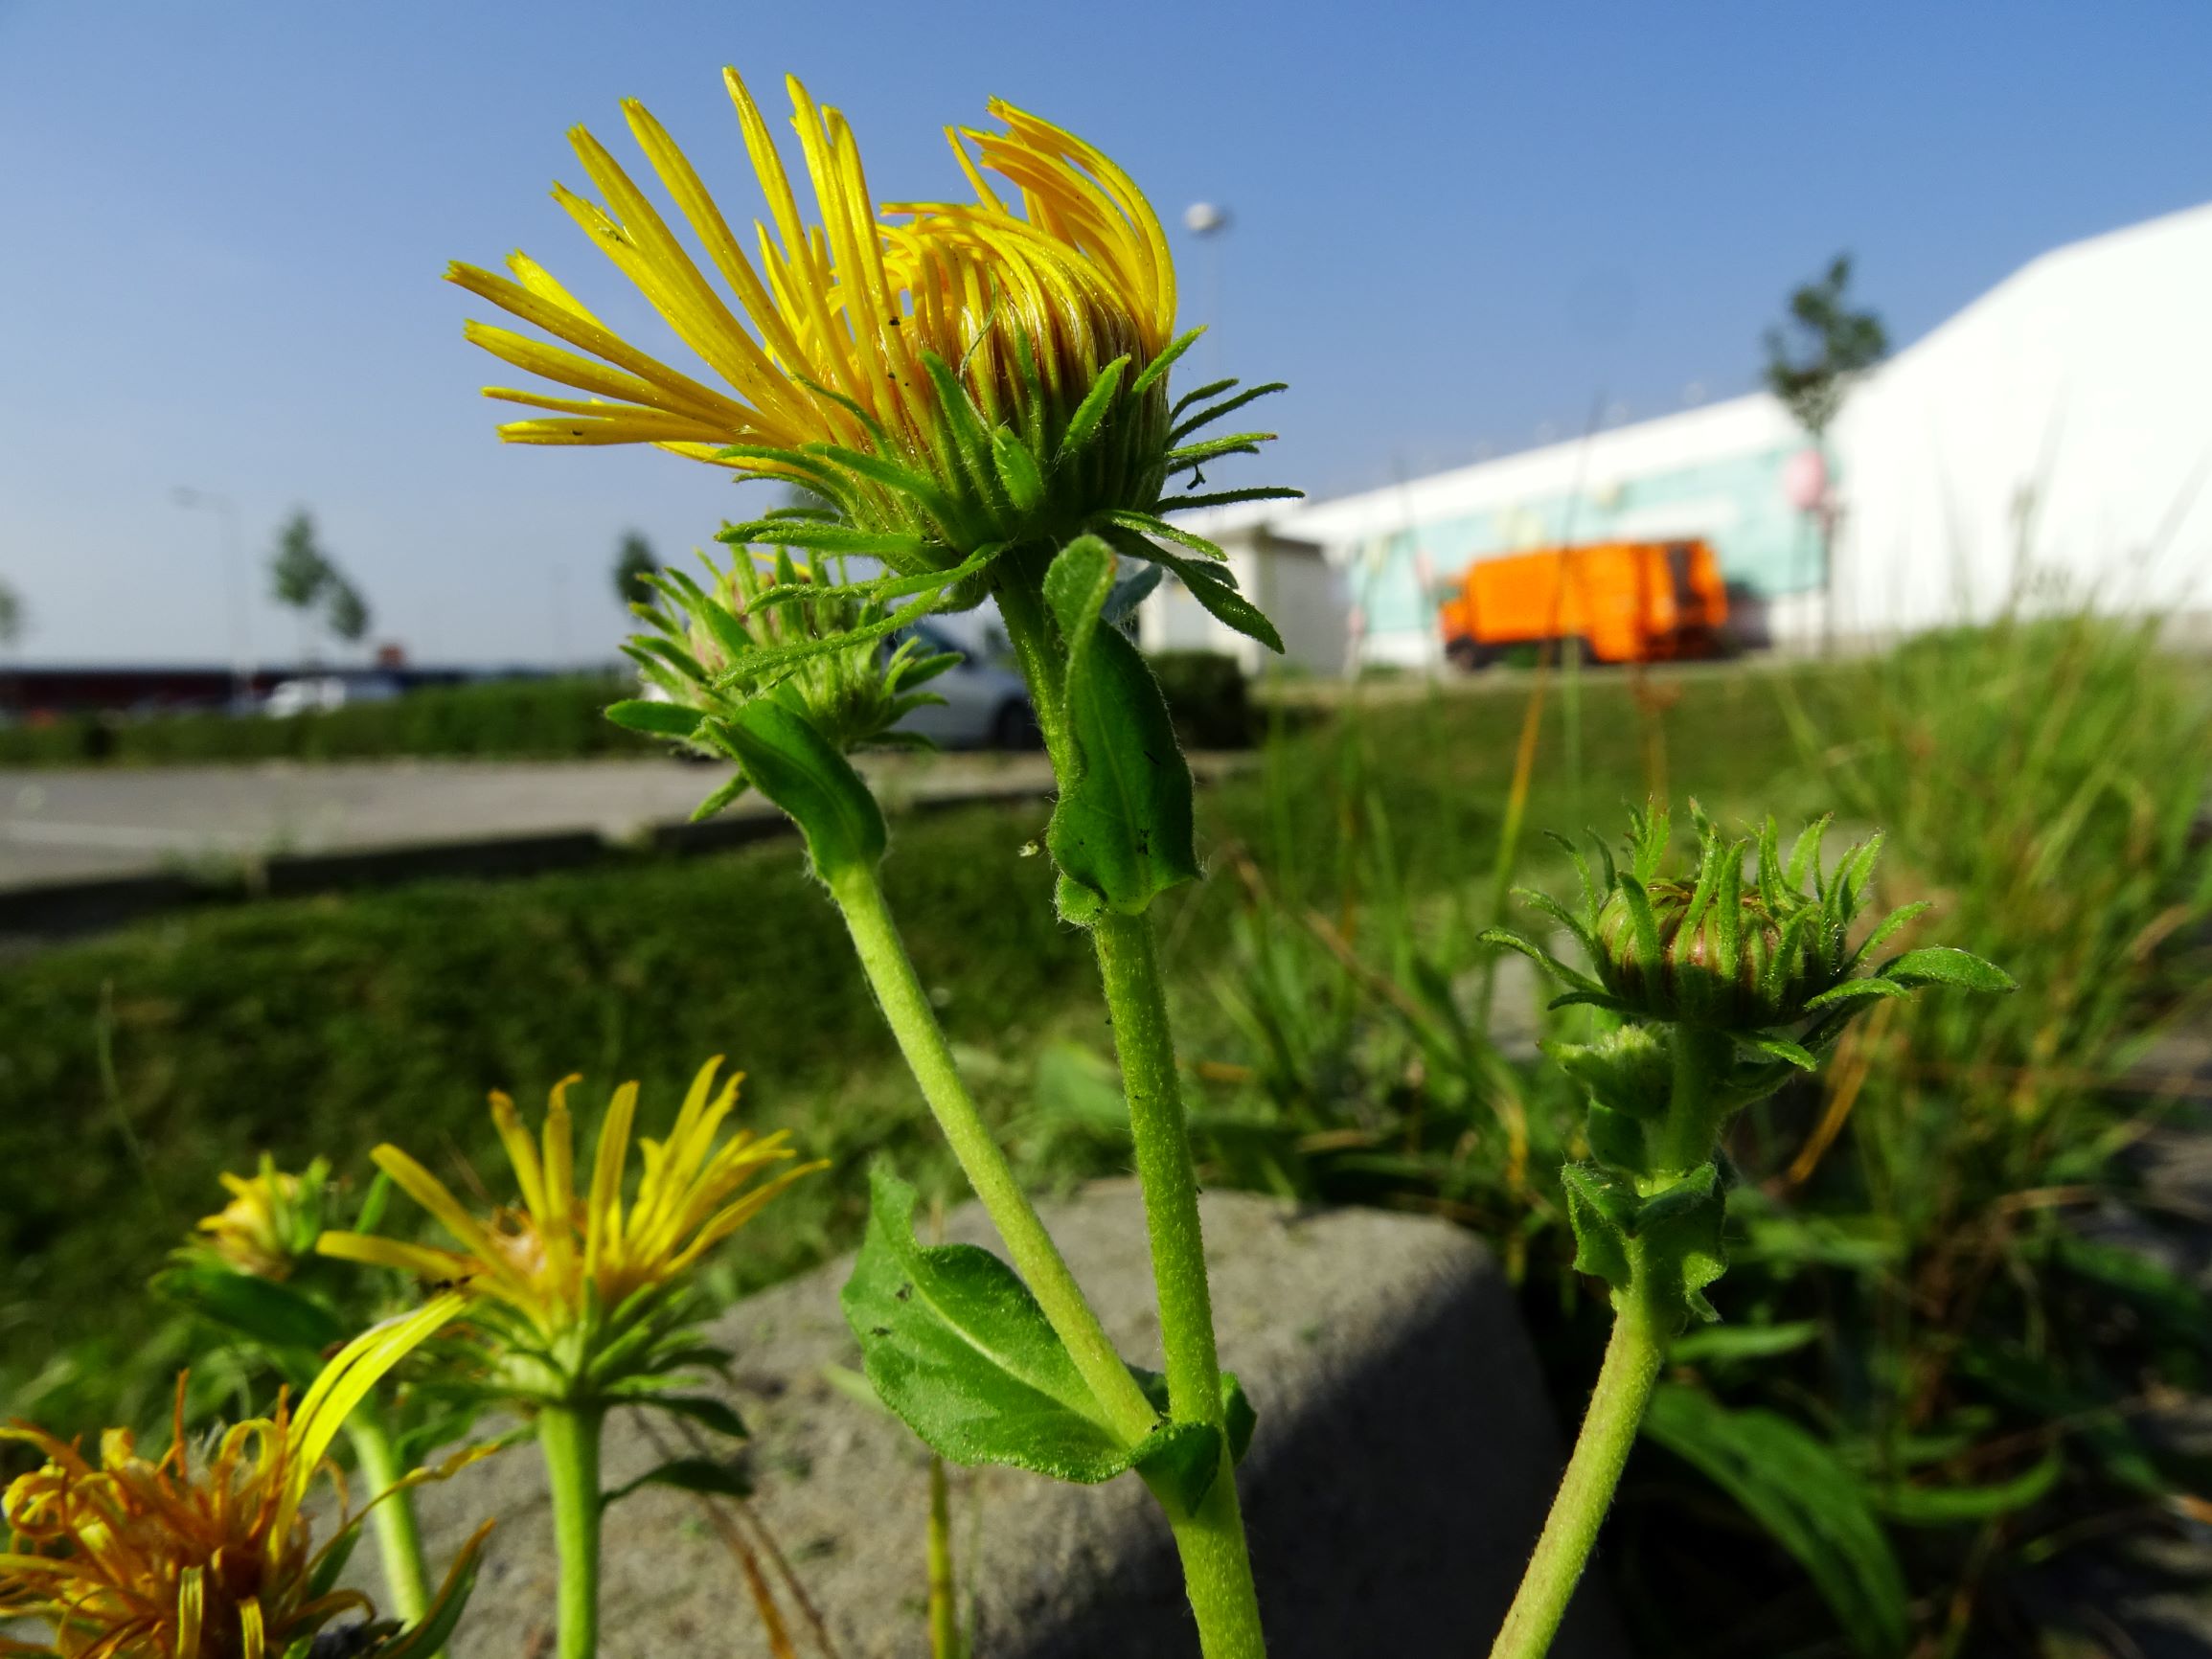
102,823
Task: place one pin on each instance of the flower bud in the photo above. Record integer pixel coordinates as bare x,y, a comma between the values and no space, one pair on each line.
269,1223
1755,955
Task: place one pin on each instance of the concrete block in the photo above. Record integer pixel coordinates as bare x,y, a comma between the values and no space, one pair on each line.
1403,1459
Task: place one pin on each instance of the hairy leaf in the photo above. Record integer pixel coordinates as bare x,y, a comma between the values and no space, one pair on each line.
1122,830
954,1344
660,719
801,771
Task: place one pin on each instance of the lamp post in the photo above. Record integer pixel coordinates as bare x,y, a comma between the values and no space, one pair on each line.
1208,222
234,582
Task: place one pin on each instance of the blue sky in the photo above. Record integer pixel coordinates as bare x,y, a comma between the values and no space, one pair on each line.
1455,225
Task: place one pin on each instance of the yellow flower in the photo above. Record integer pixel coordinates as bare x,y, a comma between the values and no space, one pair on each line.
828,331
270,1223
129,1558
954,379
574,1270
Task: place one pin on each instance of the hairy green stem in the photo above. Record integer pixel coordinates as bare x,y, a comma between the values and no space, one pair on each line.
399,1540
1021,596
1570,1531
1696,1106
568,1437
1217,1565
1688,1138
944,1612
906,1008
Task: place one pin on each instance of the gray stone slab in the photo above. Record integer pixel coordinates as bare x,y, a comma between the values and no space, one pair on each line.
1403,1459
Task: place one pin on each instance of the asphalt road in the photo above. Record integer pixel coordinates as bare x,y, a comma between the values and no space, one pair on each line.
73,825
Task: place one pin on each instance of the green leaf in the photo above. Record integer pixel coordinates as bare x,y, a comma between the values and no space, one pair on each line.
1954,1506
1214,449
1216,591
801,771
957,1348
1179,1462
1782,1049
2170,1299
260,1309
1600,1220
1855,990
1158,529
1225,498
1725,1344
1617,1140
1122,829
1507,938
1679,1233
1017,471
1212,413
436,1629
1083,425
887,545
1237,1413
1630,1070
708,1475
1940,965
721,798
1804,1498
1157,369
660,719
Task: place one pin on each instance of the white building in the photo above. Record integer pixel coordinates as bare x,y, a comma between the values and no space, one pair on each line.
2051,440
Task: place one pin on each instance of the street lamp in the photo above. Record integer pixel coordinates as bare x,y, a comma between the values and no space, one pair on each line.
1208,222
234,580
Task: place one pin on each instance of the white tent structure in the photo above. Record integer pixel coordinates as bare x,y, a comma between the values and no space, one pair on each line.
2052,443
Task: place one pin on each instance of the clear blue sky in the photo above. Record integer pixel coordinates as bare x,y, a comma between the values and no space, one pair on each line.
1454,224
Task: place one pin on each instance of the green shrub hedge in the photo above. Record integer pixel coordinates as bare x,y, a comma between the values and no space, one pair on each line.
494,720
548,719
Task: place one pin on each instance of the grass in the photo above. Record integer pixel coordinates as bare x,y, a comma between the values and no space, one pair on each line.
135,1067
1924,1394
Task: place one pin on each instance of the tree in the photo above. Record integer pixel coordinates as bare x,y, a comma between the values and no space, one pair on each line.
633,562
300,571
1836,345
1811,369
11,615
346,615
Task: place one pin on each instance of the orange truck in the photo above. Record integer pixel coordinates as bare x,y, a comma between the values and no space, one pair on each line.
1623,602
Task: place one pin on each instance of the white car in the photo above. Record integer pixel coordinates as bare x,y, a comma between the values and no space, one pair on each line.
985,705
324,692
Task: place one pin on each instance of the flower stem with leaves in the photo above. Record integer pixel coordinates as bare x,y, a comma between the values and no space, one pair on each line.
973,397
1717,989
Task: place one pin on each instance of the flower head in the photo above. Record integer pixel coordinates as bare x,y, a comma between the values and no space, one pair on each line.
1758,956
953,379
562,1280
855,694
128,1557
270,1223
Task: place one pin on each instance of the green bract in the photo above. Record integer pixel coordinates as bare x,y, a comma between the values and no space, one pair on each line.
1725,986
1059,465
851,695
1751,955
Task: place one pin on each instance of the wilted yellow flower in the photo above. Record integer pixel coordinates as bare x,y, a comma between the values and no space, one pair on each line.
570,1266
132,1559
271,1221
